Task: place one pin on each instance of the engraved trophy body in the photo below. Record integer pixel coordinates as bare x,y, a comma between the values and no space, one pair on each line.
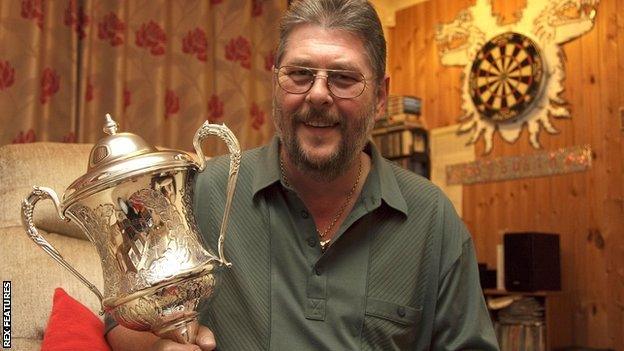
135,205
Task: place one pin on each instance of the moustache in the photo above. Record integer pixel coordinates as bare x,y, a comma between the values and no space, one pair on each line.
316,116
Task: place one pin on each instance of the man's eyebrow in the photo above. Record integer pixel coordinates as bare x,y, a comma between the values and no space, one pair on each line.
345,66
298,62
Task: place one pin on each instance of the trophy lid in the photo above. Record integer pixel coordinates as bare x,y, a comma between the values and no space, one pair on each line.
118,157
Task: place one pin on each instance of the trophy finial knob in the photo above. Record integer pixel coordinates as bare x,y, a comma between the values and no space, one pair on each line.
110,126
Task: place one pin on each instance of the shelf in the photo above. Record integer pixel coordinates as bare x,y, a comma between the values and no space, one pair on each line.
495,292
406,144
399,127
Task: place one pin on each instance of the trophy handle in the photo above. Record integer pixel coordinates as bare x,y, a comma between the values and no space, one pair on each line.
226,134
28,206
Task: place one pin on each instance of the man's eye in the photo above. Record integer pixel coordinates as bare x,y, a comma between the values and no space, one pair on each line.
299,74
344,78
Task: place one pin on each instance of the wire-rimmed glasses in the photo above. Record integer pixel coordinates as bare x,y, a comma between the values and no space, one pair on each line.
343,84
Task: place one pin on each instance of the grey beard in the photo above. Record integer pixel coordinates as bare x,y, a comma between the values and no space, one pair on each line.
319,171
338,163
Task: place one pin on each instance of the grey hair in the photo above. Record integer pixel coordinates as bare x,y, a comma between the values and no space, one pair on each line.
357,17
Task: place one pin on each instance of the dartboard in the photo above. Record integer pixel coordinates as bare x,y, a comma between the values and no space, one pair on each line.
506,77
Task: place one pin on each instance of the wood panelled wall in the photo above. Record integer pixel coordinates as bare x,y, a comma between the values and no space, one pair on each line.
586,209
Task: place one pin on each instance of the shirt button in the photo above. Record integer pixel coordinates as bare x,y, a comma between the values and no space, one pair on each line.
311,242
318,271
401,311
305,214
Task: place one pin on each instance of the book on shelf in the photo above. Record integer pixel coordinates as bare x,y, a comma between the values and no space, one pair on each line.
521,337
401,143
520,324
399,104
406,118
403,108
403,120
384,125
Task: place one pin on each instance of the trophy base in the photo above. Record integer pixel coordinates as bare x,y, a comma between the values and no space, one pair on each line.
183,330
169,309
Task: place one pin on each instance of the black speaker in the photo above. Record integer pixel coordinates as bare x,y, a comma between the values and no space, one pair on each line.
487,277
532,262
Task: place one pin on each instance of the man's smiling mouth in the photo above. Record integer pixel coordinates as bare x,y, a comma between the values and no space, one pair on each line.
319,124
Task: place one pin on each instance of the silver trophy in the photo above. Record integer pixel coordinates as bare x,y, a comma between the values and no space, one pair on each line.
135,205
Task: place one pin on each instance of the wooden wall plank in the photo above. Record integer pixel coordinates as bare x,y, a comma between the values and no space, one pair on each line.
594,297
617,279
575,280
612,216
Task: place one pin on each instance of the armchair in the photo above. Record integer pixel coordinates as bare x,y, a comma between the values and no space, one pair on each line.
34,274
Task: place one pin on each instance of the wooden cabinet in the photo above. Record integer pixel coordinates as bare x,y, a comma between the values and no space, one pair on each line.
406,144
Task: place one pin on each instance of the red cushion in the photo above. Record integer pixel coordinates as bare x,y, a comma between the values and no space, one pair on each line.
72,326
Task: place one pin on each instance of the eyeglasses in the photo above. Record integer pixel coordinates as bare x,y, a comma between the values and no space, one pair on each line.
342,84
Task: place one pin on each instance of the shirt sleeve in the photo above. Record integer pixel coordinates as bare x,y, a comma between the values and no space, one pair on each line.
461,321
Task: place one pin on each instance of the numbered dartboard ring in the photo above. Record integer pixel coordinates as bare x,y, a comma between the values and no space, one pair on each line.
506,77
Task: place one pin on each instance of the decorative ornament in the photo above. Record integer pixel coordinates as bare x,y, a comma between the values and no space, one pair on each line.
513,74
546,163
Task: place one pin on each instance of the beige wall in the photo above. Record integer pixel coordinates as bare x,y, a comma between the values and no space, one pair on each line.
387,9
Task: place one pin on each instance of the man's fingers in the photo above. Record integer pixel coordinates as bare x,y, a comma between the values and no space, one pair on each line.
205,339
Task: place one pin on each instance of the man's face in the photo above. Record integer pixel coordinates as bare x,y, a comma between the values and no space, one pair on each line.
320,132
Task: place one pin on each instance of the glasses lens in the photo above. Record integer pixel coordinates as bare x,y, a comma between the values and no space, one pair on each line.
296,80
345,84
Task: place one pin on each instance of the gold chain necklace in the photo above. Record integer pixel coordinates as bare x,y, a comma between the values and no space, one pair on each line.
325,242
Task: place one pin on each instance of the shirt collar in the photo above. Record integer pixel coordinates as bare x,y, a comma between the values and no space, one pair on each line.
381,183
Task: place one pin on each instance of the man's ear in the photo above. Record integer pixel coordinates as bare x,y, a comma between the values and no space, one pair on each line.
382,98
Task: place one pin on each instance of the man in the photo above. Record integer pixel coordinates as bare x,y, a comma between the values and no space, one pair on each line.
333,247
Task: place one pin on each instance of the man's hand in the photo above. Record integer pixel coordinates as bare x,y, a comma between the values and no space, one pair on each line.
124,339
204,341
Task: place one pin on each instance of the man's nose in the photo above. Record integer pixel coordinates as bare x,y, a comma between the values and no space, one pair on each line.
319,93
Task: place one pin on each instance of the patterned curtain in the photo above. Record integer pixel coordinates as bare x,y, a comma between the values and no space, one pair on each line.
160,67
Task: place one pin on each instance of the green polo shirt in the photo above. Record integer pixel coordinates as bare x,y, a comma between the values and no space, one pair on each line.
401,273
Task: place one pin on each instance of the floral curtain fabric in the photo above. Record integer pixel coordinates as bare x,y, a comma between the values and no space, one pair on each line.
160,67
